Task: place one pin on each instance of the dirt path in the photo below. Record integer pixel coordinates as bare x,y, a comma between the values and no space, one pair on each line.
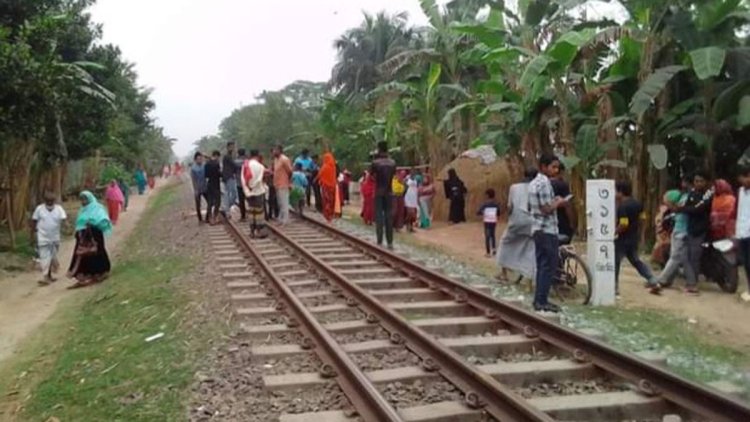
24,305
720,317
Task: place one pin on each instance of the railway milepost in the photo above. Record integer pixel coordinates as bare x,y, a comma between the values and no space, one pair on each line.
600,215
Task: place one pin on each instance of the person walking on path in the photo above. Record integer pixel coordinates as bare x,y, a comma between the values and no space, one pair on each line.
543,205
328,186
90,263
517,252
629,212
198,178
426,195
490,211
678,249
115,201
125,189
742,229
299,186
383,169
212,171
229,172
455,191
241,200
141,179
254,187
282,181
698,209
46,222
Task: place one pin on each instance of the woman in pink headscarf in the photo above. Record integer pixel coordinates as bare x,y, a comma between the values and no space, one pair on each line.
115,200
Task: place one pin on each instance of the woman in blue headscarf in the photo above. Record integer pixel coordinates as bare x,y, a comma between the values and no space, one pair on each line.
90,262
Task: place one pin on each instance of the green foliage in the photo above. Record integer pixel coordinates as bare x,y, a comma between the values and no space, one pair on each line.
708,61
652,86
743,117
114,171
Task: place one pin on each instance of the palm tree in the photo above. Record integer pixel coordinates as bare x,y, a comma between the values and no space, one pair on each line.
361,50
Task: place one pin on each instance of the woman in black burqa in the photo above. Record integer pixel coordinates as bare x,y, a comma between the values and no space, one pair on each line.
455,191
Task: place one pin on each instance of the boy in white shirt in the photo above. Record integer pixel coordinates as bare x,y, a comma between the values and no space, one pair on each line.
489,211
742,231
46,223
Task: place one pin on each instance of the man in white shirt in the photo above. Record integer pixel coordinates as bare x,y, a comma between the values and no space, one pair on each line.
742,232
251,180
45,224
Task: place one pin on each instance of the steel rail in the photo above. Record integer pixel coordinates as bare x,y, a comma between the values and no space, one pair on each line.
365,397
650,379
480,389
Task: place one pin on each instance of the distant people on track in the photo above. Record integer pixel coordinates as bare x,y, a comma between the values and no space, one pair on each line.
140,179
198,179
543,205
455,192
307,164
628,217
300,184
742,227
115,201
241,201
517,252
328,186
490,211
367,192
255,189
125,189
229,177
282,176
426,197
399,206
212,172
411,201
90,263
383,169
46,223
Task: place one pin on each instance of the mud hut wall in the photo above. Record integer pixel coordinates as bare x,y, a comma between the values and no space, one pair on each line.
478,178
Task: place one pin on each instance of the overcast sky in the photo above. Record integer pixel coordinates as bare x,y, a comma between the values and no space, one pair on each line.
204,58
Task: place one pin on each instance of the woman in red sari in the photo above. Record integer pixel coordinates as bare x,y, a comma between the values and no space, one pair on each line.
367,190
327,180
723,208
115,200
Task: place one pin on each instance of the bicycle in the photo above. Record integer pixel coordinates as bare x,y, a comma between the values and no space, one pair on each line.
572,283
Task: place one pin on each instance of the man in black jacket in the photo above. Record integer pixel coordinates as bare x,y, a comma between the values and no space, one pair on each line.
698,209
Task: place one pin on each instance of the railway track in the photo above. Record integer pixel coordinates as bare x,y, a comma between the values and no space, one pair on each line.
405,343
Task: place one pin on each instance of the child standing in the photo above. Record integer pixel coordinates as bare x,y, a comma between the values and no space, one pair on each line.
489,211
299,187
46,223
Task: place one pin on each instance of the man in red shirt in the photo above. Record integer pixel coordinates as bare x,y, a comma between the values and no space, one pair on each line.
282,176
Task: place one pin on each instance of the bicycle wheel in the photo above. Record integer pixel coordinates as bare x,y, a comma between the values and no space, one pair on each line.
573,282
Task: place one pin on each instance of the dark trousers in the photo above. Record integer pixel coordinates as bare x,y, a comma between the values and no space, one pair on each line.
630,251
318,197
272,205
744,258
308,190
198,212
241,201
547,257
213,197
384,218
489,237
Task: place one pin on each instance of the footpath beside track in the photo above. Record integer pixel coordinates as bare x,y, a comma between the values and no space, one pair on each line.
406,343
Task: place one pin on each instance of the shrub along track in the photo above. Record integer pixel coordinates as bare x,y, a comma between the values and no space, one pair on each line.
403,342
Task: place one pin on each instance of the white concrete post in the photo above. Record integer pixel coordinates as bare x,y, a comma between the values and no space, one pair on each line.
601,227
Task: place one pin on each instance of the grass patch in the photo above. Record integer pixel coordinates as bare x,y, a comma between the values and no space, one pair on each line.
102,368
689,354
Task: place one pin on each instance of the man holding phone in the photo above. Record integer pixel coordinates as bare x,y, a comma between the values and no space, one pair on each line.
543,206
